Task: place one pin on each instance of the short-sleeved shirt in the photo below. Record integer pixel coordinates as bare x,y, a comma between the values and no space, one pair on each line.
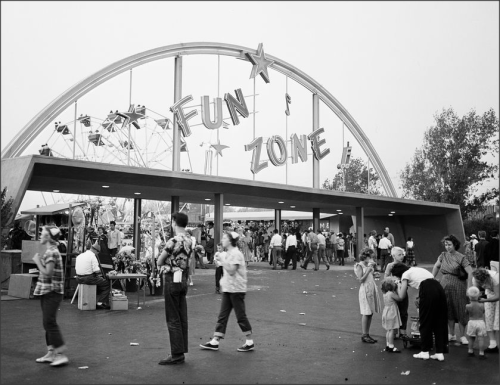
114,239
86,263
415,275
56,282
384,244
321,239
236,283
451,263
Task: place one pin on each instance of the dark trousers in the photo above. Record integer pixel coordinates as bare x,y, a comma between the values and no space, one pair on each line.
312,255
291,254
103,286
50,304
340,257
232,301
433,316
219,273
113,252
277,251
176,313
403,312
385,259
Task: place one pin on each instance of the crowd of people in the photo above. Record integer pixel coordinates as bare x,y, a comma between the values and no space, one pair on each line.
465,294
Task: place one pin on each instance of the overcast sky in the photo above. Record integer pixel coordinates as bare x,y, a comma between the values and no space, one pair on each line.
392,65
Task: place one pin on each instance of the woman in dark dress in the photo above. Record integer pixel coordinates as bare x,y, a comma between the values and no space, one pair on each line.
450,264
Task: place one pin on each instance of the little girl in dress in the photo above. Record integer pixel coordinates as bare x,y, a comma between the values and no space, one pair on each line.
369,301
391,320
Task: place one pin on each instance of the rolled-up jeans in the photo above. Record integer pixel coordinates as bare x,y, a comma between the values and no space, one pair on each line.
176,313
50,304
229,302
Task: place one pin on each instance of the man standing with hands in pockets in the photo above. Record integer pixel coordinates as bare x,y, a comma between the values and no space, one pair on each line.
174,264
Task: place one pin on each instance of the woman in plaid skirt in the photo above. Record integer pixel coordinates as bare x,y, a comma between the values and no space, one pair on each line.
450,264
410,252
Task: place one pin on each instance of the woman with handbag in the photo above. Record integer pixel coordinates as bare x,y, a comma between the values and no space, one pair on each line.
456,279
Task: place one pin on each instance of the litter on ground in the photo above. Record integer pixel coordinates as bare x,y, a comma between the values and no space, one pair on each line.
83,367
405,373
134,344
283,311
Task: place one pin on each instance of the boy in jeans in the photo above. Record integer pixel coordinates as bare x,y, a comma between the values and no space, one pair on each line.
219,271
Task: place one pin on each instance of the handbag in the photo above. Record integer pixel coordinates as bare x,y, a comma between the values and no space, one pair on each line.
462,274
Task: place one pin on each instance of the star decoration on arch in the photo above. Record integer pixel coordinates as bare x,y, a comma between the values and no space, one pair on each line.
131,116
218,148
260,63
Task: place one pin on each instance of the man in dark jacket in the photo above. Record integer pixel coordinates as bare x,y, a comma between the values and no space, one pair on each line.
480,247
491,250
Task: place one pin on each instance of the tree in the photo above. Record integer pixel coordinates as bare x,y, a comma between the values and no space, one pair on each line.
6,214
452,164
356,179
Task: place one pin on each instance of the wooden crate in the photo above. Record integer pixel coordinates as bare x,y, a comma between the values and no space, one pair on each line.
22,285
87,297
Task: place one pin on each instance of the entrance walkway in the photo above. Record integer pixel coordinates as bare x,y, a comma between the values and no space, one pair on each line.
327,349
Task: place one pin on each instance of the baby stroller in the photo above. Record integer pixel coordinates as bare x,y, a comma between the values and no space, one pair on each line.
414,338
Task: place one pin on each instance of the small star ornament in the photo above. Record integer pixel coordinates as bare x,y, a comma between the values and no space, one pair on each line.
260,63
131,117
218,148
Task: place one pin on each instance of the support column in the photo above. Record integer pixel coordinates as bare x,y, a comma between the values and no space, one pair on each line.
137,226
360,230
316,219
176,148
277,220
174,204
218,217
315,127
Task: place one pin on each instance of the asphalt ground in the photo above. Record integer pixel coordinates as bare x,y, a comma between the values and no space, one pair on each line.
327,349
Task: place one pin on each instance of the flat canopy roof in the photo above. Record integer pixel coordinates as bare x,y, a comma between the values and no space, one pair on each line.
268,215
57,208
87,178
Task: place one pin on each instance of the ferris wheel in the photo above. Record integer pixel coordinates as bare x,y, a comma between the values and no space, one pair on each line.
136,137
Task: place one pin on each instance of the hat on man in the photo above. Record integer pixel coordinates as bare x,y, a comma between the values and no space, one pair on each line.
96,247
473,236
310,229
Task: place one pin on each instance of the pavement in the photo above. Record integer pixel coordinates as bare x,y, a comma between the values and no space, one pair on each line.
321,346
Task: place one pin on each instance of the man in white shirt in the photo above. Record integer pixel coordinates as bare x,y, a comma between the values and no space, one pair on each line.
291,251
276,246
385,245
333,240
322,249
88,272
390,237
114,239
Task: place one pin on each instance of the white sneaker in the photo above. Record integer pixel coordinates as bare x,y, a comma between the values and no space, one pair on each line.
452,338
49,357
59,360
464,340
438,356
422,355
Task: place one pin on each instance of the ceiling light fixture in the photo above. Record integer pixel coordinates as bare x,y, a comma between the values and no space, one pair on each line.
391,215
393,212
207,199
56,191
281,202
228,204
105,186
137,193
339,210
292,207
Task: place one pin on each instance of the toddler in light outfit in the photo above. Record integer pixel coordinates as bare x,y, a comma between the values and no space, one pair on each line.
219,271
476,326
391,320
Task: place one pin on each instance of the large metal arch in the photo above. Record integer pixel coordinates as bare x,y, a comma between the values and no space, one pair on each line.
58,105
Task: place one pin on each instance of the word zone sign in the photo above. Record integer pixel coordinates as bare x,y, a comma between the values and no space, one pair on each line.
276,146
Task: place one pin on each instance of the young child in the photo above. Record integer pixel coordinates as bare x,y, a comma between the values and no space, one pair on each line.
476,326
219,271
369,301
398,254
391,320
